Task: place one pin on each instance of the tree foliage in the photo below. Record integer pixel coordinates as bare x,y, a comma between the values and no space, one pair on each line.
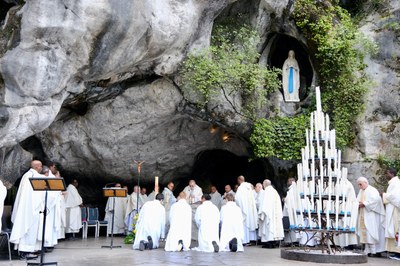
229,67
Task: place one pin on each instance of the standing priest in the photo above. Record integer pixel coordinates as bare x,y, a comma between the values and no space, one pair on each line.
73,203
270,215
245,200
371,218
392,224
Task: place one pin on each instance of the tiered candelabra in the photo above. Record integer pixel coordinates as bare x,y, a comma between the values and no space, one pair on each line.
319,203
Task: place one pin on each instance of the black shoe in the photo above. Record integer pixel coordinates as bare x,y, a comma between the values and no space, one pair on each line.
27,256
395,257
375,255
150,243
215,245
233,244
180,245
142,245
48,249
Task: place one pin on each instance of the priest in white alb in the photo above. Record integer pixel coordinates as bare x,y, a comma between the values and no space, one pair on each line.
193,192
232,231
132,208
150,225
26,213
180,230
270,215
207,219
3,194
392,223
245,200
116,205
216,197
169,200
73,203
371,218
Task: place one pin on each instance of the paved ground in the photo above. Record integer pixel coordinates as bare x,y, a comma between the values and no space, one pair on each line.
89,252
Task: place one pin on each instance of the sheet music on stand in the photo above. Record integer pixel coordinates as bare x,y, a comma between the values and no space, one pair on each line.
46,184
114,192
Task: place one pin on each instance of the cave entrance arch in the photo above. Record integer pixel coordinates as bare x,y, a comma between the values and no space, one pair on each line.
277,49
221,167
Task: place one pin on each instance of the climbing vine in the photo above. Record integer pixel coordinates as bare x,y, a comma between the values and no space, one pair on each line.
338,55
229,67
282,137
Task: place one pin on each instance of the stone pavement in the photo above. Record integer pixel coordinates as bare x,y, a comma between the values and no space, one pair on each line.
89,252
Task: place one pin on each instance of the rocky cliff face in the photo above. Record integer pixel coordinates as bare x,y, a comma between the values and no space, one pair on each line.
93,82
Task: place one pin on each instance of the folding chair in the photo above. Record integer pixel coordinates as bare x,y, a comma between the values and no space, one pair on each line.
92,221
100,224
84,222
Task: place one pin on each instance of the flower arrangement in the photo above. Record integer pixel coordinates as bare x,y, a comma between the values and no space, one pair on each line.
130,237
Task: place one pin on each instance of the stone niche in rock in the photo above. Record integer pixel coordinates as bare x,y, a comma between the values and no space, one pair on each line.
279,45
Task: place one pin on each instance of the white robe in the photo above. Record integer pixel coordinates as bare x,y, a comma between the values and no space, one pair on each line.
193,195
169,200
53,219
245,200
119,214
207,219
392,223
224,201
216,199
180,217
131,210
270,216
231,226
3,194
26,214
371,220
73,210
151,222
258,198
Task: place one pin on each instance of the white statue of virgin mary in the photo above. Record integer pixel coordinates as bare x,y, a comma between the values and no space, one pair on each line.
291,78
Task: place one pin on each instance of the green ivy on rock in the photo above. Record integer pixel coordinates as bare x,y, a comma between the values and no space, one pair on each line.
229,67
338,50
281,137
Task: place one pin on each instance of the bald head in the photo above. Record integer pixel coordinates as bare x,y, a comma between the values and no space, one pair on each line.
240,179
266,183
37,165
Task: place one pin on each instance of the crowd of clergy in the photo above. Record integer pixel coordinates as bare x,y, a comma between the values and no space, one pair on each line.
63,212
199,221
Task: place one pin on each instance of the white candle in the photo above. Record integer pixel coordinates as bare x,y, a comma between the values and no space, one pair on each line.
307,140
156,185
318,98
312,187
295,204
328,206
311,129
319,213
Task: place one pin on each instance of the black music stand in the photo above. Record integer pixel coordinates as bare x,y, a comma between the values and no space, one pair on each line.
46,184
113,192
